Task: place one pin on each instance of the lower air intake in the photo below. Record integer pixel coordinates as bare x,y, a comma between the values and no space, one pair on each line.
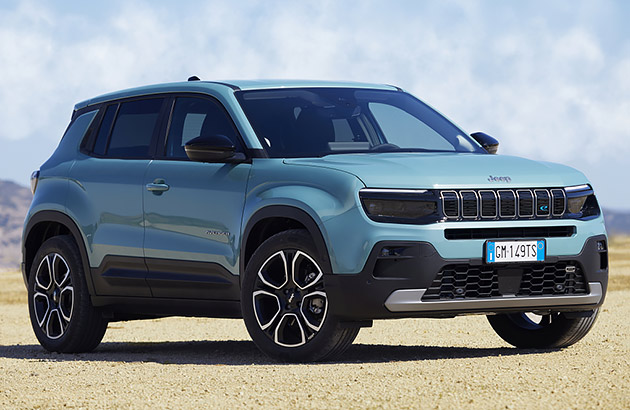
477,282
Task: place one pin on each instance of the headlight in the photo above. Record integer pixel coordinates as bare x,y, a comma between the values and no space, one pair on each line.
575,204
400,205
581,201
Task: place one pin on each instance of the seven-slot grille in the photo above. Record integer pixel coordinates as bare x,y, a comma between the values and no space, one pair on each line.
488,204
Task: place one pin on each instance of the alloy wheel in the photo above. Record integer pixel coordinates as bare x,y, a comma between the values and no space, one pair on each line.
53,296
289,300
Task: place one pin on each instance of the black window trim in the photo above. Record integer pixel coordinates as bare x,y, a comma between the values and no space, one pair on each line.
164,121
89,139
108,137
87,145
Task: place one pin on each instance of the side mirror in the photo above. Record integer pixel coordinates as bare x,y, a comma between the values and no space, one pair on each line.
490,144
215,148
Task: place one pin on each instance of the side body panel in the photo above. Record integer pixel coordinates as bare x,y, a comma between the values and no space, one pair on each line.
52,189
105,197
198,219
318,192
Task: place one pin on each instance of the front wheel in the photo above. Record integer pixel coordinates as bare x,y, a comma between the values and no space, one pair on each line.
285,305
554,330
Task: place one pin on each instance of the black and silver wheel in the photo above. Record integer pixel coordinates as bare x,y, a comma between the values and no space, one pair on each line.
284,301
62,316
554,330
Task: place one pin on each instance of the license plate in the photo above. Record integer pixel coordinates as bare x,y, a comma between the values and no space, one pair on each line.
515,251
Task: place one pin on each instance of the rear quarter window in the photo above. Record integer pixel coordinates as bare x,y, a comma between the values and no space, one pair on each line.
77,128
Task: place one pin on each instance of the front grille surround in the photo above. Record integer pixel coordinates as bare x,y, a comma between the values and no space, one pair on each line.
502,204
484,204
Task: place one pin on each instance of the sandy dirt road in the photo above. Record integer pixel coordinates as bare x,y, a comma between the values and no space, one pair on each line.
210,363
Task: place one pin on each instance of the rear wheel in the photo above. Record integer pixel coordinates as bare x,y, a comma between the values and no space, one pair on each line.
61,312
285,305
555,330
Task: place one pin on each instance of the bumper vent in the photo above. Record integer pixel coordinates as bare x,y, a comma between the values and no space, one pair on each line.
510,233
504,204
478,282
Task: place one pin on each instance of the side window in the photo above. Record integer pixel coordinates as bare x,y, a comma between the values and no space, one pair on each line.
133,129
127,129
194,117
79,126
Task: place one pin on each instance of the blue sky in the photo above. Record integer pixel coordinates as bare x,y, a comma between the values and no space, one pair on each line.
550,80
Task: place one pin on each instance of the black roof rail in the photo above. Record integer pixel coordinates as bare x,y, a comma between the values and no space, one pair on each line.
396,87
232,86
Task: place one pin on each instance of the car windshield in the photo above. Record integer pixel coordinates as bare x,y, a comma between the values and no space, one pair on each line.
314,122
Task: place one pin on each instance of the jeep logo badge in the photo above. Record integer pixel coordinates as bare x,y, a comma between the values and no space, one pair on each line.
499,179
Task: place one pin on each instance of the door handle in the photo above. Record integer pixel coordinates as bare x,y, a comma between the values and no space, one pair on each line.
158,187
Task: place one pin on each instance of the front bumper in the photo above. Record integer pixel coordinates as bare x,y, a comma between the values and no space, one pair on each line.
396,286
410,300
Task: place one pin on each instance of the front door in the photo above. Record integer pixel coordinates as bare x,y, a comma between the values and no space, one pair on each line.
193,210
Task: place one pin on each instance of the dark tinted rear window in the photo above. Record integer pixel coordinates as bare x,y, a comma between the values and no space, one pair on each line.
133,129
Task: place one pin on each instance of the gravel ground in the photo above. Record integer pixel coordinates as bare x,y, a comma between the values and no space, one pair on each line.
423,363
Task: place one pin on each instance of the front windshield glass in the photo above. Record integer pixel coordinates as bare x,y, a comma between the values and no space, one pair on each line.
314,122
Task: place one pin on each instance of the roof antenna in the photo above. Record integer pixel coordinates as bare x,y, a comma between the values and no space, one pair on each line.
193,78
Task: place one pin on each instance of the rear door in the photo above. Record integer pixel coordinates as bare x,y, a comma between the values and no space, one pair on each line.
193,210
111,178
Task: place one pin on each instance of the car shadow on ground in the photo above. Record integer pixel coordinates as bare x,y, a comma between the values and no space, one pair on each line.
239,353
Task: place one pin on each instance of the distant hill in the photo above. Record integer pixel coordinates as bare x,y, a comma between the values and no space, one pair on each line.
617,222
14,202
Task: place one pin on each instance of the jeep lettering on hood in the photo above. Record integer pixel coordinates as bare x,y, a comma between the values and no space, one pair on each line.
499,179
447,170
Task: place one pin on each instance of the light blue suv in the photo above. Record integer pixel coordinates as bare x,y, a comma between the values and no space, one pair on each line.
309,209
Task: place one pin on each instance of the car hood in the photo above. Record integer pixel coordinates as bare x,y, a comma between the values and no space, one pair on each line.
447,170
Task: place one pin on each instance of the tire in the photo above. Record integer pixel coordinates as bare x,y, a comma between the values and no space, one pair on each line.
61,312
526,330
284,302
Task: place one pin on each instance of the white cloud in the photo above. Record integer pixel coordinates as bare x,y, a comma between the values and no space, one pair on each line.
546,88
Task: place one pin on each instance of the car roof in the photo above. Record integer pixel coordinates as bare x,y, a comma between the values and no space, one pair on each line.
268,84
227,86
